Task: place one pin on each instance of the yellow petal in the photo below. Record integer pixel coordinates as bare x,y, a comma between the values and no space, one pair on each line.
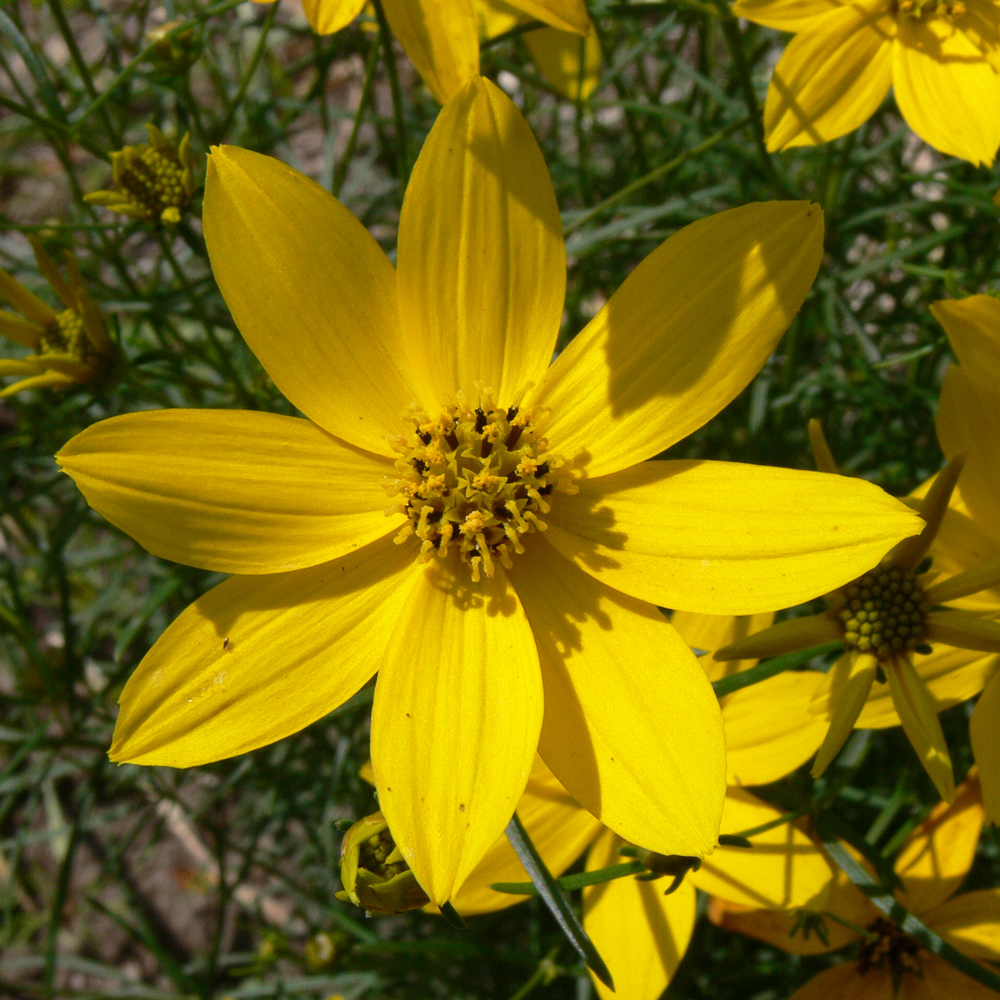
783,869
571,64
918,714
940,981
946,90
785,637
47,380
558,826
458,709
973,328
441,39
968,423
776,926
849,680
632,727
831,78
986,747
712,632
952,676
964,629
640,933
939,853
847,982
688,329
231,490
21,331
495,17
963,542
970,922
482,264
769,728
259,658
570,15
27,304
9,366
724,538
785,15
328,16
312,293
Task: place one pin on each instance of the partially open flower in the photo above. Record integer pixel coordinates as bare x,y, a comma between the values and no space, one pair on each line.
373,871
68,347
884,618
153,181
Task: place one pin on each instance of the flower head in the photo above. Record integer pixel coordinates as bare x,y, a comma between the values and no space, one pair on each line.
888,962
69,347
968,422
153,182
528,539
884,618
941,57
640,929
442,39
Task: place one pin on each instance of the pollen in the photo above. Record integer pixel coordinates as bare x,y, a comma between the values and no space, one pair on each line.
950,10
883,612
475,480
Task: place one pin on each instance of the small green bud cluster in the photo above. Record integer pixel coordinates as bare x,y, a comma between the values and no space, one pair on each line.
884,613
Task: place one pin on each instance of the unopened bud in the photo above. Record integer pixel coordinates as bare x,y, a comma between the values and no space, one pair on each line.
373,871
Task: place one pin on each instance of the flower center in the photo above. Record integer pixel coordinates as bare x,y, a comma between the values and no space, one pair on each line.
475,479
155,181
948,9
883,612
66,336
890,949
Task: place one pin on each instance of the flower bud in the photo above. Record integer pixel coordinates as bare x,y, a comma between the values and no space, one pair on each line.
373,871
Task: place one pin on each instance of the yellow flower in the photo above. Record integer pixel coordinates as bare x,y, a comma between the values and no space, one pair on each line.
152,182
528,539
968,423
889,964
69,347
884,618
640,932
941,57
441,37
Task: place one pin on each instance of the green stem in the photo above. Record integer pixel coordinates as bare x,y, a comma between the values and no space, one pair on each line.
402,150
653,175
340,174
255,59
734,42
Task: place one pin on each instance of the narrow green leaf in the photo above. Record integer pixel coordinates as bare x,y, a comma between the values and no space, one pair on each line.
916,928
553,898
776,665
578,881
35,66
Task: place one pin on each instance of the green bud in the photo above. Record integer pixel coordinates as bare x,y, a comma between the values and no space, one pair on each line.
373,871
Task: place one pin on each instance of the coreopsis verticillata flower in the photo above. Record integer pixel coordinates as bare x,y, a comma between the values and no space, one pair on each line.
153,181
639,930
441,37
69,347
480,527
884,619
968,423
888,963
940,57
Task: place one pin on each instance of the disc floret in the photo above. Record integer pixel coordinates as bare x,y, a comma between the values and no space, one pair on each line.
883,612
950,10
475,479
889,949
